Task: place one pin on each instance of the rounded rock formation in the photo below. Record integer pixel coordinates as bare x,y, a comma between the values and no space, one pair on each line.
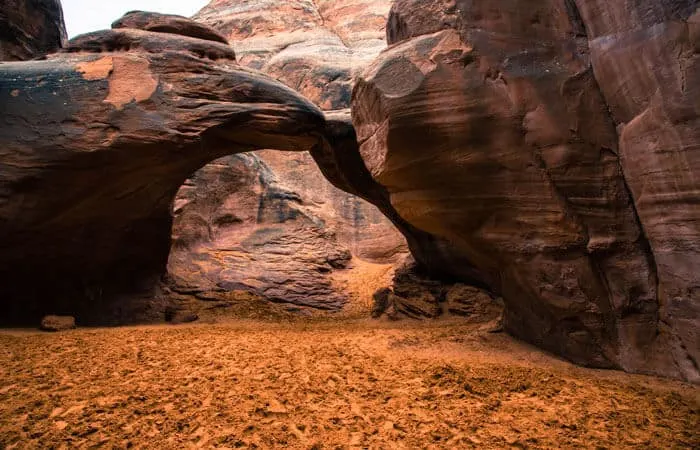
551,147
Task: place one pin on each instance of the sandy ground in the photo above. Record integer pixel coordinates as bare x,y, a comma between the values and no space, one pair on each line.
323,384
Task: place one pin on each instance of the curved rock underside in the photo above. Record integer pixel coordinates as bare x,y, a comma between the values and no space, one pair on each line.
279,246
30,28
555,147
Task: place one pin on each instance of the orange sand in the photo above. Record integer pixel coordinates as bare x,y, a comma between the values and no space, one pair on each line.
323,384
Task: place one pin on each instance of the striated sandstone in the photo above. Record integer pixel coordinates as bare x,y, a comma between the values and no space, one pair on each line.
237,228
551,147
316,47
647,64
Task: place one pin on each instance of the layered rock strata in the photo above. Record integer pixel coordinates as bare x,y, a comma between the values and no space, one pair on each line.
553,147
297,229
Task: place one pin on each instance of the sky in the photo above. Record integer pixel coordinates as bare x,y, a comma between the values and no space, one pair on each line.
83,16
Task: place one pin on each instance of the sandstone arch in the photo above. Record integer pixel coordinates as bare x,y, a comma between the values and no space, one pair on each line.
130,114
509,172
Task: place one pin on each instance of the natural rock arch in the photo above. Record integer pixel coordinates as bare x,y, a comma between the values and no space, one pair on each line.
96,142
98,139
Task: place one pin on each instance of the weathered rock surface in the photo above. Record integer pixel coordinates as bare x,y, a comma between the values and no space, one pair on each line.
295,221
414,294
316,47
30,28
552,148
176,315
237,229
468,301
94,144
648,67
167,23
295,229
546,154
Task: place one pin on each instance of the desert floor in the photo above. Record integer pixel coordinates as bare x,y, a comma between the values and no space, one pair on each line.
323,384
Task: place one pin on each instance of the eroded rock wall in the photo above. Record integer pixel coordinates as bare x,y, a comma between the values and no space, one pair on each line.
280,254
552,146
314,46
645,56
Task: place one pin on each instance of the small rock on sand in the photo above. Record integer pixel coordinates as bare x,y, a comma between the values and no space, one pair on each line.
57,323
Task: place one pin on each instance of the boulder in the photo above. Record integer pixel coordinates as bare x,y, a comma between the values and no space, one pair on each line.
423,306
57,323
547,152
472,303
178,316
380,302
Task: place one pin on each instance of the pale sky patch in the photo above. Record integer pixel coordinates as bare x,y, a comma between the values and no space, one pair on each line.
84,16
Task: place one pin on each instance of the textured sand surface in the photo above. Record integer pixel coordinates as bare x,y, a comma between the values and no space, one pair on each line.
323,384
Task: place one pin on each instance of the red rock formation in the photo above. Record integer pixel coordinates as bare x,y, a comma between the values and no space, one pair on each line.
512,131
647,63
166,23
280,248
543,152
313,46
94,145
30,28
238,229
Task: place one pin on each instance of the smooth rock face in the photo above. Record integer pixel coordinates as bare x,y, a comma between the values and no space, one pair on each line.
553,148
30,28
297,229
94,144
648,68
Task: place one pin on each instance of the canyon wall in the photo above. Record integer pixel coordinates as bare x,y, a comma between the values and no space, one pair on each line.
554,147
